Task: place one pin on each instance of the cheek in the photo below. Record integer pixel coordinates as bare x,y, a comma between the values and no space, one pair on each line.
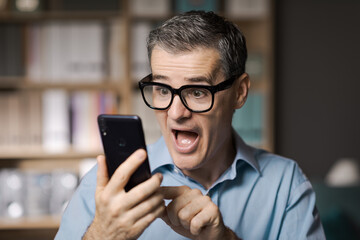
223,109
161,118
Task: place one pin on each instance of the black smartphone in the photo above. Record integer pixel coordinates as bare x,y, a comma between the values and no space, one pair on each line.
122,135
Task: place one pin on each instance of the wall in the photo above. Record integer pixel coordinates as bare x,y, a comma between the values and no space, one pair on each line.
317,82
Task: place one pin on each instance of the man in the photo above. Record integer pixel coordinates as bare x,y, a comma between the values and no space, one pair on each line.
215,186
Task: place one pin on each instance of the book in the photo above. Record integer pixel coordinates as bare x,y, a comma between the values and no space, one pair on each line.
140,66
116,54
55,119
188,5
247,8
3,120
33,121
14,120
150,7
12,52
34,55
67,51
20,121
90,5
85,107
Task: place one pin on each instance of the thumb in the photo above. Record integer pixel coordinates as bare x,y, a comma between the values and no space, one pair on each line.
165,218
102,174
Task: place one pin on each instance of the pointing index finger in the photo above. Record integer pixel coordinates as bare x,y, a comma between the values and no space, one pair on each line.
173,192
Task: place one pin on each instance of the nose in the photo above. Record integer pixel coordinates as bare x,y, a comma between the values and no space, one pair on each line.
177,110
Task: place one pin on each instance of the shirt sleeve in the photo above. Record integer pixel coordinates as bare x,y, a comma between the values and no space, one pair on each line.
80,211
301,219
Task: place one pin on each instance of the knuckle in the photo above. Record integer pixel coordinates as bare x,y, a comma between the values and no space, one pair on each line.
185,188
138,194
196,224
151,217
183,214
213,209
121,177
147,206
156,180
207,199
124,222
196,191
104,199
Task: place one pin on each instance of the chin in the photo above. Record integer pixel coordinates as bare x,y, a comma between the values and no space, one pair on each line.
186,162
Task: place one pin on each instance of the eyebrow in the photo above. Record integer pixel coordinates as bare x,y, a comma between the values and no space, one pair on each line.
210,80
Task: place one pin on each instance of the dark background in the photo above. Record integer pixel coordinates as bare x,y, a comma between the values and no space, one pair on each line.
317,92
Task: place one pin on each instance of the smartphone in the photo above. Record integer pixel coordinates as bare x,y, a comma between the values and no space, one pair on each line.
122,135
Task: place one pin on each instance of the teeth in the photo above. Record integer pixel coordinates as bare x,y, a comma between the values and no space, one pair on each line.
185,141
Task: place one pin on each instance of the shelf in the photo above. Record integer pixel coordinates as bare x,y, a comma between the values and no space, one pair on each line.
63,15
21,83
45,155
45,222
149,17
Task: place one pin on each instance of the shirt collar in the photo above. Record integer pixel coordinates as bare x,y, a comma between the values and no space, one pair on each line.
245,152
159,155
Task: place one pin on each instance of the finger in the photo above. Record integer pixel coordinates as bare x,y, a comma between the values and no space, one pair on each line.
144,222
102,175
147,206
173,192
144,190
204,218
179,203
166,218
122,174
186,213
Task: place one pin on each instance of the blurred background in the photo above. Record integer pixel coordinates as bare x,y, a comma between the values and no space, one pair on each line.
63,62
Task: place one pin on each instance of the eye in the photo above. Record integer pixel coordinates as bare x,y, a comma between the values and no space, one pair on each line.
162,91
198,93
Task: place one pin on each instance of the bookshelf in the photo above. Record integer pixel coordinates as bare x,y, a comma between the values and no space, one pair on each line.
42,68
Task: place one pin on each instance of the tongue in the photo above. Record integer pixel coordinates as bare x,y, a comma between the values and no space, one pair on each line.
185,139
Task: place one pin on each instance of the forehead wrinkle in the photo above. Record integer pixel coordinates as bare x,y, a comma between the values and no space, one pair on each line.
209,78
206,69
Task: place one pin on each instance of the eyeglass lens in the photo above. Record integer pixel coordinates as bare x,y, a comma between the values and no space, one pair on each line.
197,99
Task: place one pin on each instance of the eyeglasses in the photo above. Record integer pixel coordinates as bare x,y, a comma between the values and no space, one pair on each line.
196,98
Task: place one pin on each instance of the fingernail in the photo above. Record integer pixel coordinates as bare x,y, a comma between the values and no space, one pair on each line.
141,153
160,176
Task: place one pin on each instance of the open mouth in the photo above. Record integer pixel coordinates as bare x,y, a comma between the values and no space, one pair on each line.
185,141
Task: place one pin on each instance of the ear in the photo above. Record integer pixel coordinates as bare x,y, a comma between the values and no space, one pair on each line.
242,89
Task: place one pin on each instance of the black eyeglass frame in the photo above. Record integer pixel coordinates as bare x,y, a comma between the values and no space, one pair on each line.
146,81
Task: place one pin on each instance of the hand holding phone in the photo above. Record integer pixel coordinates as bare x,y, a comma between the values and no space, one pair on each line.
122,135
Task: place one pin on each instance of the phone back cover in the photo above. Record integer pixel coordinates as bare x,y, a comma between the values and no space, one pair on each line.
121,136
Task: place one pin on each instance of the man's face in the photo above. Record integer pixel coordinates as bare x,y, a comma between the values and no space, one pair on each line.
195,140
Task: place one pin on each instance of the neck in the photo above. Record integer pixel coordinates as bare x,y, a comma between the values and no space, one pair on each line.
207,174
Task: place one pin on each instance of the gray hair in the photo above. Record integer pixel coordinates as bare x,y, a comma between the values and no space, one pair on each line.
190,30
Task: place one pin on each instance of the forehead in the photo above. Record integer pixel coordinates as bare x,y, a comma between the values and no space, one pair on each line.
200,62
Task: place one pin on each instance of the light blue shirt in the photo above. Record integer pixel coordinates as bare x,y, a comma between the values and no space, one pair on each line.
260,196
